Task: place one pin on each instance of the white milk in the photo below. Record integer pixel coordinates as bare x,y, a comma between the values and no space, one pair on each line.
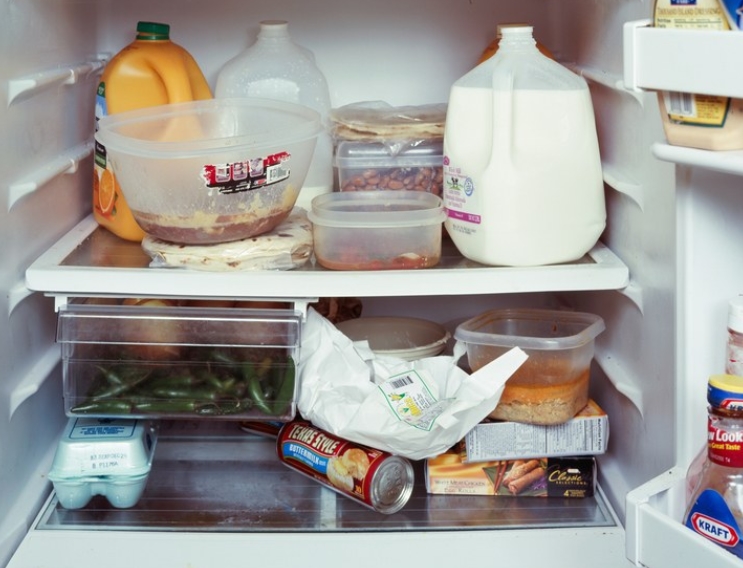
522,172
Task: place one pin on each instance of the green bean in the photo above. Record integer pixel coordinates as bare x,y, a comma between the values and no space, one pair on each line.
285,393
158,406
255,389
104,407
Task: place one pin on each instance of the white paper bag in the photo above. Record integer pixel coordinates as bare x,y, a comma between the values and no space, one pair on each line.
413,409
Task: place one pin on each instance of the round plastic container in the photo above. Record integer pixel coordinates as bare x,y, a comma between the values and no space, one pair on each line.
551,386
405,338
211,171
377,230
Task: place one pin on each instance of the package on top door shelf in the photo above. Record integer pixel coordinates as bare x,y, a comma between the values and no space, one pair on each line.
571,477
586,434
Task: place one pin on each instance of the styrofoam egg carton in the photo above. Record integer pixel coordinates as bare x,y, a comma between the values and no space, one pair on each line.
101,456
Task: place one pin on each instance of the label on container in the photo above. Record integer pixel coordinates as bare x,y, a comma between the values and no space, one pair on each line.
711,517
376,478
248,174
458,188
412,401
724,447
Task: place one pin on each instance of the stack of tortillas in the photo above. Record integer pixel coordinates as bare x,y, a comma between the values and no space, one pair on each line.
378,121
286,247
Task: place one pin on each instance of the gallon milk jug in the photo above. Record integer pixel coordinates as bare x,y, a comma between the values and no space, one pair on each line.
275,67
522,173
150,71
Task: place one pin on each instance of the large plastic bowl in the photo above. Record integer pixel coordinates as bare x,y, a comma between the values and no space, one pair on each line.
211,171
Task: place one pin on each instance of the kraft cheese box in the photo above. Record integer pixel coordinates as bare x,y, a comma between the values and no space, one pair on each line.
567,477
585,435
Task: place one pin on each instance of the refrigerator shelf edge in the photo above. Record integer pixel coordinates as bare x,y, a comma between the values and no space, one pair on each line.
728,161
70,268
655,534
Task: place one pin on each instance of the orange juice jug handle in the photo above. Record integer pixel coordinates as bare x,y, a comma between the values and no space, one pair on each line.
177,85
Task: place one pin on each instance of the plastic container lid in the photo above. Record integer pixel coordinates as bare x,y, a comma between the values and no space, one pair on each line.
406,338
351,154
93,447
211,125
725,391
377,209
531,329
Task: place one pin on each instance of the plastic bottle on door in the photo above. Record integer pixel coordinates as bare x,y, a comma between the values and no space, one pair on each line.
702,121
150,71
275,67
522,172
733,366
715,509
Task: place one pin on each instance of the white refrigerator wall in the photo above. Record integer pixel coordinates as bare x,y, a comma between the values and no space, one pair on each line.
665,332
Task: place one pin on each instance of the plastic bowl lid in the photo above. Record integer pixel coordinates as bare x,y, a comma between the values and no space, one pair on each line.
531,329
377,209
405,338
184,130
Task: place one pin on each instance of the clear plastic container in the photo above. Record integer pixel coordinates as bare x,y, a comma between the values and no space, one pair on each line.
551,387
522,186
377,230
275,67
103,457
155,360
370,166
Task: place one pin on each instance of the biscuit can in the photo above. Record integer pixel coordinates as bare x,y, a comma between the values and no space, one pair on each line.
377,479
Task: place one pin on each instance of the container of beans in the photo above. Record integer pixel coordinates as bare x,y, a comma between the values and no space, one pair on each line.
370,166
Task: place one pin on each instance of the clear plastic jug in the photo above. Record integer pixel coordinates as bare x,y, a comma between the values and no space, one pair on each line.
150,71
275,67
523,184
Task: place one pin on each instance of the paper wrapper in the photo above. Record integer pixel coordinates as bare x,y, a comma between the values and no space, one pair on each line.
413,409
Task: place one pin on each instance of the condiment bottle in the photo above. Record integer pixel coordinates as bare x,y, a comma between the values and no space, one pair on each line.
715,509
150,71
275,67
733,366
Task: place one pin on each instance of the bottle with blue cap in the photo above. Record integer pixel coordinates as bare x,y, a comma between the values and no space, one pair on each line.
715,508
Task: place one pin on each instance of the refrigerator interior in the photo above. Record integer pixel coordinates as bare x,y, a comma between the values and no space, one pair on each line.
672,227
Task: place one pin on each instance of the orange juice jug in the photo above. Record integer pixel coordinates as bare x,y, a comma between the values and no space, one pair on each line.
150,71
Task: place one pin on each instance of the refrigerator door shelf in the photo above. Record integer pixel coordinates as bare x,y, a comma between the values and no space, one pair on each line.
90,261
656,537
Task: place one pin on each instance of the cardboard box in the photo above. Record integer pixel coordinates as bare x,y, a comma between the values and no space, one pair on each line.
585,435
571,477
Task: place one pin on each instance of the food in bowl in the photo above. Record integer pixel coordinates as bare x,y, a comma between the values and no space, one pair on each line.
551,386
377,230
211,171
